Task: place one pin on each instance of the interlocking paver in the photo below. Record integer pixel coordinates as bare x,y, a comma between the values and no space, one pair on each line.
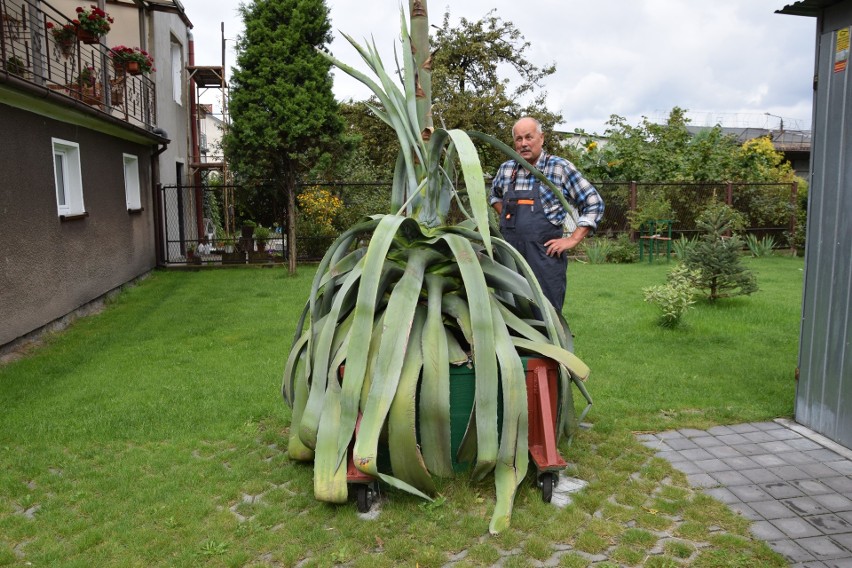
780,490
740,463
823,455
740,428
760,475
765,530
733,439
842,485
769,460
723,494
693,433
759,436
830,524
818,470
772,509
712,465
843,467
797,458
804,506
709,442
723,451
791,550
671,456
746,511
822,548
810,486
789,472
777,446
681,444
731,478
749,493
696,454
701,480
796,527
720,430
834,501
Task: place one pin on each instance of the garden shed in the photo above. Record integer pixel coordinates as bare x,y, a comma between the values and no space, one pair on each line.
824,390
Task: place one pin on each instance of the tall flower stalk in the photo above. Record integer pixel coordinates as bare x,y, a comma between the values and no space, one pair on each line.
400,298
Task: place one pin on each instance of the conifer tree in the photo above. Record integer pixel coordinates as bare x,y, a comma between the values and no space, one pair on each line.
283,112
716,256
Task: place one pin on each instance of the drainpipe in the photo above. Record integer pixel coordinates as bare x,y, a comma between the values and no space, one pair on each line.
157,187
193,143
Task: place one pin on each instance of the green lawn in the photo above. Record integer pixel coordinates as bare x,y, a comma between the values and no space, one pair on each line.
154,434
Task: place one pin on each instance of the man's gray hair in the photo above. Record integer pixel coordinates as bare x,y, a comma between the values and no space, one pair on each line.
538,127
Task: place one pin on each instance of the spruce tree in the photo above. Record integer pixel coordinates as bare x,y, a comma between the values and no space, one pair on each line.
716,256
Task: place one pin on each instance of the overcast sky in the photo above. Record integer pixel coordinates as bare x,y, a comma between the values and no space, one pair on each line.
728,61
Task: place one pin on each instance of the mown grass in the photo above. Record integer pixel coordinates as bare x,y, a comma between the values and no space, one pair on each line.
154,434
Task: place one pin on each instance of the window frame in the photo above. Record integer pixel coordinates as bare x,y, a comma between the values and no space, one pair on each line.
71,184
132,183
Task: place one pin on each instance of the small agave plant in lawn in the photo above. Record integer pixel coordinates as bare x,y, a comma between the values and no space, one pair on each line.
400,298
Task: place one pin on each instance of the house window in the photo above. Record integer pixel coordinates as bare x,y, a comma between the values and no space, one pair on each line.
132,191
177,73
68,178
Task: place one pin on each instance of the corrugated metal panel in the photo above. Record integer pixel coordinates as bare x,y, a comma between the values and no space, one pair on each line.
824,393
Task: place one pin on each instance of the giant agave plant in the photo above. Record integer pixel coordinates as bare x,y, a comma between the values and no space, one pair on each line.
400,298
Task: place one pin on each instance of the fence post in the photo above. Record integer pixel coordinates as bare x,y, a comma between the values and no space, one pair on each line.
729,194
633,204
794,210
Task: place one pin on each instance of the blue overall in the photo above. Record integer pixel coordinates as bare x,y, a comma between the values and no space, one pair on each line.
525,227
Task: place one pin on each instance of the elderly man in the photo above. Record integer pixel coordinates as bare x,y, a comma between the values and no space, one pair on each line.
532,218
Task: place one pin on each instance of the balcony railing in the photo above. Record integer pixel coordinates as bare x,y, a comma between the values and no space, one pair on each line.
81,72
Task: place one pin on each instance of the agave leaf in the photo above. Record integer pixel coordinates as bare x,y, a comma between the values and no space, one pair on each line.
295,448
291,366
484,359
469,158
435,389
406,460
364,312
512,460
575,366
386,374
329,475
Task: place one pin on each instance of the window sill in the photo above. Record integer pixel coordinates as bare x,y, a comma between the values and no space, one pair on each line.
74,217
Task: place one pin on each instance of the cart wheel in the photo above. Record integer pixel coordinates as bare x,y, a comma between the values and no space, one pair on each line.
364,495
546,481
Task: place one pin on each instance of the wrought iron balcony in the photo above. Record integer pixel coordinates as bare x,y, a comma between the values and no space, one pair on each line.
35,56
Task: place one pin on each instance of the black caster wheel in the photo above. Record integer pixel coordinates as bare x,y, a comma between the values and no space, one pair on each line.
364,496
547,481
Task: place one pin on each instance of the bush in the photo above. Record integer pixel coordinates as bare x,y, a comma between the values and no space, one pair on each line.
623,250
674,297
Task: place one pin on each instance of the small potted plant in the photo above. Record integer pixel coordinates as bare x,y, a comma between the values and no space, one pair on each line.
65,37
85,86
261,236
131,60
92,23
15,65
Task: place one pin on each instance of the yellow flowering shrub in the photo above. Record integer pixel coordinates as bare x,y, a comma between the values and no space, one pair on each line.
319,208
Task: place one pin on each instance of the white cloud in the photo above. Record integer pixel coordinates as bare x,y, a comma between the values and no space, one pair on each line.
628,57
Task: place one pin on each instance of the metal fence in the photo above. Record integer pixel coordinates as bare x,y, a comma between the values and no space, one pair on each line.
200,227
36,55
768,208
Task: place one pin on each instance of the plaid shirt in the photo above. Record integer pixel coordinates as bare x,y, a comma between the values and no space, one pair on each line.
577,190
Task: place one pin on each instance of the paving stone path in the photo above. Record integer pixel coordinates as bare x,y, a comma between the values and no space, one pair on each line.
795,485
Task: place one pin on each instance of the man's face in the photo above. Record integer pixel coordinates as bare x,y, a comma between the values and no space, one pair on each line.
528,142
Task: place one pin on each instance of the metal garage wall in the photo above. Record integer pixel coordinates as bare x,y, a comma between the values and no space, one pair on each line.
824,392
